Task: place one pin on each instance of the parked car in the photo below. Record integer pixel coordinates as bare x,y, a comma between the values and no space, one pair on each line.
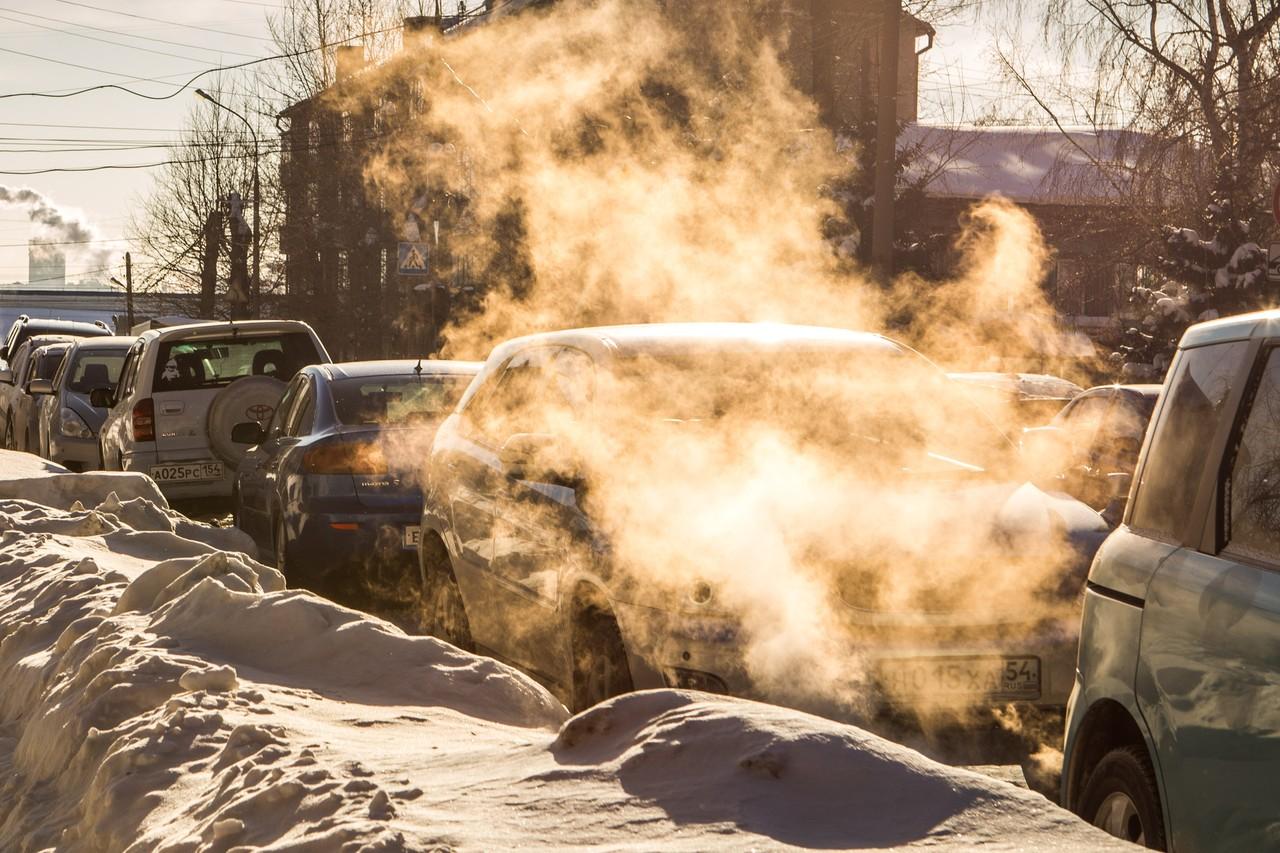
1094,440
16,403
24,432
26,326
1173,728
1033,398
513,562
331,485
68,423
181,391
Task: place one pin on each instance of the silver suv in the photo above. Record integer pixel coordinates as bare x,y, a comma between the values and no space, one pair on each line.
182,390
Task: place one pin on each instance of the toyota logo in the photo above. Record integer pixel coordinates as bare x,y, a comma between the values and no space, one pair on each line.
259,412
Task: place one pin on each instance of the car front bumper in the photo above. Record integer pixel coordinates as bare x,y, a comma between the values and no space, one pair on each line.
77,454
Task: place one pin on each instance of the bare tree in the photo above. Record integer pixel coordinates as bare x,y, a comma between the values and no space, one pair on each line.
213,158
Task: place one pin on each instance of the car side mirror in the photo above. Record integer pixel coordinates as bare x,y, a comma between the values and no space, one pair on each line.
6,376
539,457
40,386
102,398
248,432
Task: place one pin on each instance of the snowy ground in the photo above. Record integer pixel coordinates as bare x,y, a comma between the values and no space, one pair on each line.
161,690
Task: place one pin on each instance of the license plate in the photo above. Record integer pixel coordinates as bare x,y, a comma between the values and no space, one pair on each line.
412,537
996,677
186,472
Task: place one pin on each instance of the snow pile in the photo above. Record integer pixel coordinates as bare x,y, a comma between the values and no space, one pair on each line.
163,694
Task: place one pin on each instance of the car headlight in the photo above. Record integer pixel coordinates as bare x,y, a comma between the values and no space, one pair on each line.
72,425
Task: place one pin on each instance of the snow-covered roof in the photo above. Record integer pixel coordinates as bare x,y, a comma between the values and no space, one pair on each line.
1023,164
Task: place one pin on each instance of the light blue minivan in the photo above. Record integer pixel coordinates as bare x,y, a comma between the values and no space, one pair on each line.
1173,727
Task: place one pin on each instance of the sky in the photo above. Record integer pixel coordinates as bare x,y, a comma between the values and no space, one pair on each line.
61,45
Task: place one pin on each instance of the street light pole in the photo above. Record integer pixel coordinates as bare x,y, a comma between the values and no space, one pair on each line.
255,286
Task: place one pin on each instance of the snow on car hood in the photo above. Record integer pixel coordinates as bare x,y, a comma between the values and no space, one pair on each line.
164,694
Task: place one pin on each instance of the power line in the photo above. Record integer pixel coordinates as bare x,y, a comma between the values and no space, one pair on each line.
99,38
129,77
120,33
73,93
161,20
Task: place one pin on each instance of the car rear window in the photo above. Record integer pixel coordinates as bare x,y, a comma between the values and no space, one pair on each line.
396,399
95,369
186,365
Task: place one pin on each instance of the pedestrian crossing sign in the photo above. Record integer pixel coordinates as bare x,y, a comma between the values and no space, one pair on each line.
413,259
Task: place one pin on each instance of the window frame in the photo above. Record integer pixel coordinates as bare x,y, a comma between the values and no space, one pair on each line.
548,353
276,427
1216,540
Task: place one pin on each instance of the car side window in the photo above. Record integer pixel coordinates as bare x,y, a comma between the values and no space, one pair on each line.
510,407
129,373
1084,420
281,414
1196,394
303,415
1251,492
62,371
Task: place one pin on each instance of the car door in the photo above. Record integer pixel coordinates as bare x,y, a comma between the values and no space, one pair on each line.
255,518
115,437
1209,670
540,532
284,492
9,393
475,474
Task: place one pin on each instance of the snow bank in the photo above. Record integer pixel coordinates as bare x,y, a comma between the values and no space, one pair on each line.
162,693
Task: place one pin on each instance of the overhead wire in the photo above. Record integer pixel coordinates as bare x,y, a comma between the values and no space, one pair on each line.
182,88
101,40
79,25
161,20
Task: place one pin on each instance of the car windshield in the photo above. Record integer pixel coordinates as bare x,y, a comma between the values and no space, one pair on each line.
95,369
396,399
185,365
873,400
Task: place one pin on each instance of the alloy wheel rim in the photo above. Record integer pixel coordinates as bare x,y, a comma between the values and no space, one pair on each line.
1118,816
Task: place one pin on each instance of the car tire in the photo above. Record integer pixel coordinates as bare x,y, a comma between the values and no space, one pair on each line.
600,668
1121,798
443,612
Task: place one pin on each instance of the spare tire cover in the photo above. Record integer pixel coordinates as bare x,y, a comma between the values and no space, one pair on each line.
253,398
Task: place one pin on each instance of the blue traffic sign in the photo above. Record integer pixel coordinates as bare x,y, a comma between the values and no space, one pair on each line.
413,259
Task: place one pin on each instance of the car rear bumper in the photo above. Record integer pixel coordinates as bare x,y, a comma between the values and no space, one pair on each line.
336,551
143,461
711,653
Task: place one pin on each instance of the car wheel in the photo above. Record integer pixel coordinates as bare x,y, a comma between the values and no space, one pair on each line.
1121,798
600,669
444,614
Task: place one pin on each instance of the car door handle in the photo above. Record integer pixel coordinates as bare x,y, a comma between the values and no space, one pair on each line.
175,407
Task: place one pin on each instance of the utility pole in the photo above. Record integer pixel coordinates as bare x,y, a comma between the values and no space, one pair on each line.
886,138
209,264
128,290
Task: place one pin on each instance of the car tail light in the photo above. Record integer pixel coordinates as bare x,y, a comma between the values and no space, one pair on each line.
348,457
144,420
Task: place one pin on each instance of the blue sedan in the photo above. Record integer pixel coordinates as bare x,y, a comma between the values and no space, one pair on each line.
331,485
